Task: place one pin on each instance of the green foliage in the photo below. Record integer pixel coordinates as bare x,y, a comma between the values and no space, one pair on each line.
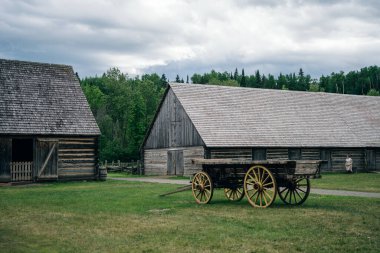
123,108
373,92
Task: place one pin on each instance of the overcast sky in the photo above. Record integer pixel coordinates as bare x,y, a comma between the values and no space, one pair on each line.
188,36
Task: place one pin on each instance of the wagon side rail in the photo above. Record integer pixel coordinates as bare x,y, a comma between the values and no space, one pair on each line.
308,168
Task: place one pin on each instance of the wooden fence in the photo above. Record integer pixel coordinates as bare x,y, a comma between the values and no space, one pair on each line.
21,171
133,167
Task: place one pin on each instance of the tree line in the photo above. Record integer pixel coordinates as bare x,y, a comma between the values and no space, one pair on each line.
366,81
124,106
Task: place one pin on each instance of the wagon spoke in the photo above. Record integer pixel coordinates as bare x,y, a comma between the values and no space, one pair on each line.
270,197
301,189
270,183
298,194
266,179
295,198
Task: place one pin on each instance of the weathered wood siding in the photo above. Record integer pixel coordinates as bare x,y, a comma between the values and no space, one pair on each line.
78,158
156,160
338,159
5,159
190,153
277,153
172,127
310,154
244,153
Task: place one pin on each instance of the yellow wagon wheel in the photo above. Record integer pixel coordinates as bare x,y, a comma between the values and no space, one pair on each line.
202,188
260,186
295,191
234,194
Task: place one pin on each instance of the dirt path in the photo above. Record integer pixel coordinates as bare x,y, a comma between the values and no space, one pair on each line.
315,191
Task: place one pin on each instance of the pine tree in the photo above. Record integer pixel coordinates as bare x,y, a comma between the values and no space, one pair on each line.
187,79
257,79
243,82
177,79
236,74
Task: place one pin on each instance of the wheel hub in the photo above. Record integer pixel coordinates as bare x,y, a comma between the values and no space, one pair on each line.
258,186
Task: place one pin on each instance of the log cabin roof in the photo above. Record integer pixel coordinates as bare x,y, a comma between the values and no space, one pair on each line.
247,117
42,99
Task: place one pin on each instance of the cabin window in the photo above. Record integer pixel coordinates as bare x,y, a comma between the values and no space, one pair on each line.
22,150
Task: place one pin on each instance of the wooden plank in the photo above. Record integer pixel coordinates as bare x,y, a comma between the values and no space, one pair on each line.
46,160
277,153
73,150
236,161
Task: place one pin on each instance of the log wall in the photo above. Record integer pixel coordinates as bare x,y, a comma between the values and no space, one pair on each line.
78,158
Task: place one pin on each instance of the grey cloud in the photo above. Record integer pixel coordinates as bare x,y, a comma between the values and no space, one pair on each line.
193,36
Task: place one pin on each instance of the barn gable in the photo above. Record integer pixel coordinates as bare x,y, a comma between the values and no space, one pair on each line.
172,127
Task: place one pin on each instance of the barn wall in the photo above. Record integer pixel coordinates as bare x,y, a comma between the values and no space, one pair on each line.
156,160
243,153
334,157
172,127
78,158
5,159
377,159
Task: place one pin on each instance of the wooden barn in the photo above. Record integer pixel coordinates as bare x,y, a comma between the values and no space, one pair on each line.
207,121
47,130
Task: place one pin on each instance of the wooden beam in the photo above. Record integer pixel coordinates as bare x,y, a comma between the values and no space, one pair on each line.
46,160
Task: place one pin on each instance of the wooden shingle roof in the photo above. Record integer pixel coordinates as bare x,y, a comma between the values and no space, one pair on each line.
42,99
246,117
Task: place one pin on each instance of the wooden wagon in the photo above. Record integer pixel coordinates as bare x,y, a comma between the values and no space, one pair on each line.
260,181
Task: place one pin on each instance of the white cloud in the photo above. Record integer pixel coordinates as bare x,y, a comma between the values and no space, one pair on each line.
187,36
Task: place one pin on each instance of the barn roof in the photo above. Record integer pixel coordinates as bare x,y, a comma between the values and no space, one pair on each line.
42,99
247,117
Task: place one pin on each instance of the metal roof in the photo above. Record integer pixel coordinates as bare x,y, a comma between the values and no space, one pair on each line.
247,117
42,99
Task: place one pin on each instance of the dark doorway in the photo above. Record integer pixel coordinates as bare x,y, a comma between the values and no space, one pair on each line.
22,150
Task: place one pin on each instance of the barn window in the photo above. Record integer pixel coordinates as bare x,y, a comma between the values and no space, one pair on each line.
22,150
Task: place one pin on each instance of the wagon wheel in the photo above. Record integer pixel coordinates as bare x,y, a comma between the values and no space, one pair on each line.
234,194
202,188
260,186
295,191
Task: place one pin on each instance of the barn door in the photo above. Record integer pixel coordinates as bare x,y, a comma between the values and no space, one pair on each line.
5,159
46,162
175,162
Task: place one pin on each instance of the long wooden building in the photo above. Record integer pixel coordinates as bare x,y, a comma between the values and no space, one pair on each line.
207,121
47,130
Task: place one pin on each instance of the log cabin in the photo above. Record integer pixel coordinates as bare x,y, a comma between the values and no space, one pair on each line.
209,121
47,130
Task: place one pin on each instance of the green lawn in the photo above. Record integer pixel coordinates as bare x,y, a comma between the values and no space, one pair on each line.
118,216
366,182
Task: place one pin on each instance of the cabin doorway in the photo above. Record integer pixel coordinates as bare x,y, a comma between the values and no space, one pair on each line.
175,162
21,165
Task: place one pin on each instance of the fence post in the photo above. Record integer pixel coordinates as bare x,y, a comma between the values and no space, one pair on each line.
105,164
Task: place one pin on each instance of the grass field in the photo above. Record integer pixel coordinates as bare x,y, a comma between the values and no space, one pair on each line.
117,216
366,182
